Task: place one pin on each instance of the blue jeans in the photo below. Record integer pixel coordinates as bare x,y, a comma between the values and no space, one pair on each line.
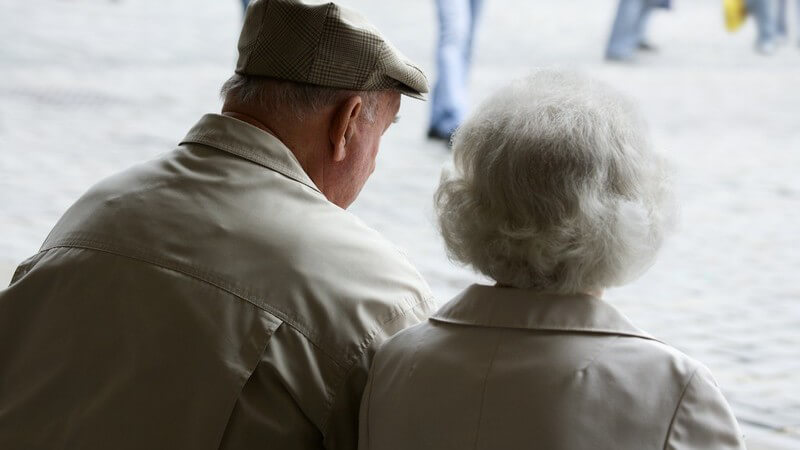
782,29
244,4
629,27
457,23
765,13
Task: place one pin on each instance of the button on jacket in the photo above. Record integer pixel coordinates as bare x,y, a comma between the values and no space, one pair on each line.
506,369
212,298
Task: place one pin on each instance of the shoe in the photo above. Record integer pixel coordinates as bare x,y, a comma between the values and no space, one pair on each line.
646,47
627,59
437,135
766,48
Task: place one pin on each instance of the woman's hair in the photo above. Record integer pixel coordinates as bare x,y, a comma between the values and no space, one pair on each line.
555,187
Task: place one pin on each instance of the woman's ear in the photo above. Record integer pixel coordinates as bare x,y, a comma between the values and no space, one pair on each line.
343,124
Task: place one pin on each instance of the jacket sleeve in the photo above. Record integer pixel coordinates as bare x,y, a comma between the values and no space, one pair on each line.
341,429
703,419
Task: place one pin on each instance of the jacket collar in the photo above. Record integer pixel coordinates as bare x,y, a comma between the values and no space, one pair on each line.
489,306
249,142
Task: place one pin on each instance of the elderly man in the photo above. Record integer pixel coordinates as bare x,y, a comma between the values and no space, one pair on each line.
221,296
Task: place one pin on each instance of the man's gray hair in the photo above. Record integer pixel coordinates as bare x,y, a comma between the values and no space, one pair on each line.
555,187
299,99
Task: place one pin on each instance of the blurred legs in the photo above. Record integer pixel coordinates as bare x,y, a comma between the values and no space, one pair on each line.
765,13
457,24
782,26
628,30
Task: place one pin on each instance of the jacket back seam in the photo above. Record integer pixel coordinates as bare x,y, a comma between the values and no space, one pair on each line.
483,390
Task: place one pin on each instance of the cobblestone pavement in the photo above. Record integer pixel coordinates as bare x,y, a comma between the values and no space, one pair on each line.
90,87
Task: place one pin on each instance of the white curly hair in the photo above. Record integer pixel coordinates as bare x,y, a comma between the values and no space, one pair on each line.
555,187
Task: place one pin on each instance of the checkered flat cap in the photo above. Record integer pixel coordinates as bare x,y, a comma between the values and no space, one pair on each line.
323,44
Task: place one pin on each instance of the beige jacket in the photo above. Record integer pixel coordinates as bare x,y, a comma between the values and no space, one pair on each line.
212,298
506,369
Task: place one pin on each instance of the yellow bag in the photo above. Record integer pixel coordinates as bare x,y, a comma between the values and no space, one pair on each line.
735,13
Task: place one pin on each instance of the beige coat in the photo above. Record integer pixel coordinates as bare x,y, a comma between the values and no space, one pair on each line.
212,298
506,369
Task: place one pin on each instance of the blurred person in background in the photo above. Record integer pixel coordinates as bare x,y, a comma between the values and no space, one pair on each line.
458,20
556,195
628,32
765,13
782,30
220,296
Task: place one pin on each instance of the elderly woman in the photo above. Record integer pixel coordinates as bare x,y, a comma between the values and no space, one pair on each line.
556,195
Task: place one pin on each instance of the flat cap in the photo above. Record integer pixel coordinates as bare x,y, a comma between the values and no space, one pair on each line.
322,44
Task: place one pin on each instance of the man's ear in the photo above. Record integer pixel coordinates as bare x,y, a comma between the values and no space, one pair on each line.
343,124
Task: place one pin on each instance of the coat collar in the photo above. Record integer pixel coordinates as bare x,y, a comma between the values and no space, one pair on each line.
246,141
490,306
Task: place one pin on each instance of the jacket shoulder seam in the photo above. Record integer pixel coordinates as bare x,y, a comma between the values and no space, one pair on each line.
678,406
197,274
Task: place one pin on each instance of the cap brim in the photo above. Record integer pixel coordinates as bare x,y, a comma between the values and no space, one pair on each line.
407,91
